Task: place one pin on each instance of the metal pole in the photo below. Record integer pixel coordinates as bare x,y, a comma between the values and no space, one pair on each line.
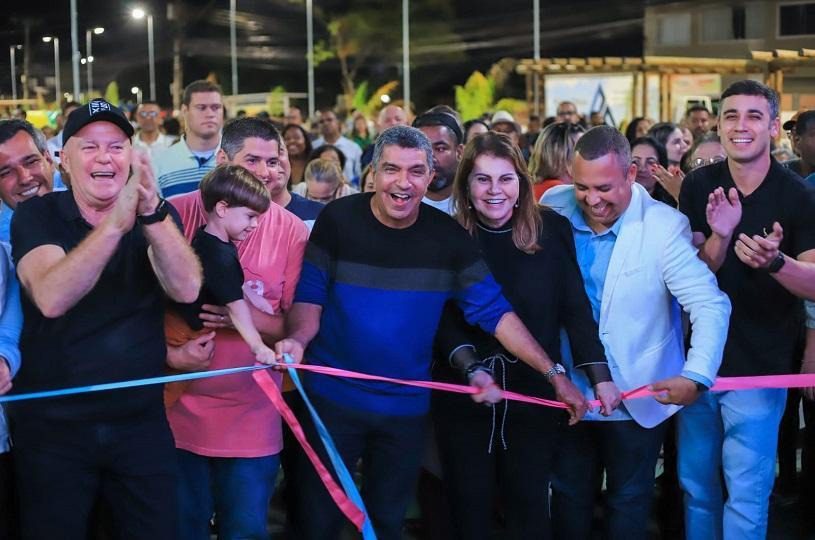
152,54
233,45
89,57
536,33
406,53
310,55
57,81
12,56
75,49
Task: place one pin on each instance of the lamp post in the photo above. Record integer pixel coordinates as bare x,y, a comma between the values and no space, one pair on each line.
57,83
233,47
139,13
310,55
13,58
136,91
89,55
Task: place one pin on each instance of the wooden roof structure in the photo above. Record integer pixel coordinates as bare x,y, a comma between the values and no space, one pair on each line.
771,64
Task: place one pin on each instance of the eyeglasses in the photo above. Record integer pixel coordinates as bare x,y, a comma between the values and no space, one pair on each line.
148,114
701,162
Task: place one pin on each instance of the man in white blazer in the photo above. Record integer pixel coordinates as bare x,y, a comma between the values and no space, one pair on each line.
639,266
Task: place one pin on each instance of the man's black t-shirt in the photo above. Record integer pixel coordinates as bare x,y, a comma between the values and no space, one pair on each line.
113,333
223,276
766,318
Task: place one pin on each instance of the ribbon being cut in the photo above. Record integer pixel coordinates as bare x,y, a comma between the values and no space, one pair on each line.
346,495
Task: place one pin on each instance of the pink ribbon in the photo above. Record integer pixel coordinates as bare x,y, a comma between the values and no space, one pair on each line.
269,387
723,384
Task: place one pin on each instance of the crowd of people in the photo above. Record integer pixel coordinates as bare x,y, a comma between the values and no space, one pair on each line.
569,261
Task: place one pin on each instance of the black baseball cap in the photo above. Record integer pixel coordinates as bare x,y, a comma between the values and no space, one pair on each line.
98,110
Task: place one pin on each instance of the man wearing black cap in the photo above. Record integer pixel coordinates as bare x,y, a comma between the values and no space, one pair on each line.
446,135
96,263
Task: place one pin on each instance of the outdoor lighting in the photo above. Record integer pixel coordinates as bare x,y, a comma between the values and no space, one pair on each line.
134,90
139,13
98,30
57,82
385,98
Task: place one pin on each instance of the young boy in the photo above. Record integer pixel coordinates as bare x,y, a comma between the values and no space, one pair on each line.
233,200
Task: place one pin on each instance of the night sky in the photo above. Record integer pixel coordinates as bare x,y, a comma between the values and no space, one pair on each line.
272,34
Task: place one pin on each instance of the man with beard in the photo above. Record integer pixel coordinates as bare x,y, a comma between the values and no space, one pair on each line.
446,135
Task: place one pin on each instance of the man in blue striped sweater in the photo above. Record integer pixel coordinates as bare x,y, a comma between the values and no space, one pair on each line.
378,269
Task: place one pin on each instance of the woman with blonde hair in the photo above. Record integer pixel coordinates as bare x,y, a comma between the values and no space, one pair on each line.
551,161
324,182
530,251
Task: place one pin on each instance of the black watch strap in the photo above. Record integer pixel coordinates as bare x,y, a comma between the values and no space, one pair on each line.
157,216
776,263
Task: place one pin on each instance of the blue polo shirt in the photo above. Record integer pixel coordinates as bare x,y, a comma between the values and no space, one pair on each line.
593,256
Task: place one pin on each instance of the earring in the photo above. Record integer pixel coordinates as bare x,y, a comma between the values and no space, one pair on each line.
518,203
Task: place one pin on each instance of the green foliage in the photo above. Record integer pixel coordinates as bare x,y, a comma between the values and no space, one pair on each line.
112,93
375,101
322,53
360,100
274,101
512,106
476,97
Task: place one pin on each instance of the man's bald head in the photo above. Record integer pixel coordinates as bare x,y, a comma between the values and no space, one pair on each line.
392,115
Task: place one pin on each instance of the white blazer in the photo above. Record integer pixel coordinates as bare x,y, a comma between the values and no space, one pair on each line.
654,265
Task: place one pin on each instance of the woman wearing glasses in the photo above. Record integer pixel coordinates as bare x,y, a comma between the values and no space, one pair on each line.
706,151
324,182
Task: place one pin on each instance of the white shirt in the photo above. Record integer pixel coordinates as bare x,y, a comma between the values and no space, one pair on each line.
445,205
161,142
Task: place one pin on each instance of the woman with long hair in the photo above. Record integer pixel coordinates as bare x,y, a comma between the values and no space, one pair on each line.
324,182
551,161
507,449
297,142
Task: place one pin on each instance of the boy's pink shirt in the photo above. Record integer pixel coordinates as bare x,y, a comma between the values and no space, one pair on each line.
230,416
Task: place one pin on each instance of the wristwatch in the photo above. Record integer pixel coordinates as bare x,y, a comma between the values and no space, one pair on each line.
556,369
777,263
157,216
475,367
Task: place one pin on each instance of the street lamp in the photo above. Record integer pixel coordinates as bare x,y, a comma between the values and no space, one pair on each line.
89,55
136,91
57,85
139,13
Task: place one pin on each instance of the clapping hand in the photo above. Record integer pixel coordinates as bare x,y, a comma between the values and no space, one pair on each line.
723,212
757,251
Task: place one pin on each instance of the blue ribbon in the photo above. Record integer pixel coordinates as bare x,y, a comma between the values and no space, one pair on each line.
129,384
343,475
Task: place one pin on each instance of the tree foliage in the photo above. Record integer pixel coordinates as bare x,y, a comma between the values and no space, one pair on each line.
368,32
112,93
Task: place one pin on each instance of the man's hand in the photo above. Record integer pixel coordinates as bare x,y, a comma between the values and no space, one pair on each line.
609,396
675,391
147,185
194,355
757,251
291,347
489,392
123,215
215,316
568,393
723,213
5,376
